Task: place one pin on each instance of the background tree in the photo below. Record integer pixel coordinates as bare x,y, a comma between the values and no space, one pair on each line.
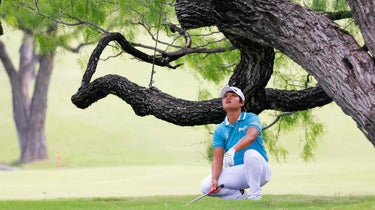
41,38
29,112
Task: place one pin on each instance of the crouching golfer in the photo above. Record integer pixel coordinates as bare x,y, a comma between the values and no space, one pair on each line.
239,158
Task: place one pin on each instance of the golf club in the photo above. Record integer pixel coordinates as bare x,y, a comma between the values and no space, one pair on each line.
204,195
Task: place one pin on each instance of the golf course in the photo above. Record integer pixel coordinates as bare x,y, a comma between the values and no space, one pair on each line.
106,157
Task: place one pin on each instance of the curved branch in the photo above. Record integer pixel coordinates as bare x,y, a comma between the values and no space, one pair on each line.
164,60
183,33
150,101
125,45
294,100
255,67
277,119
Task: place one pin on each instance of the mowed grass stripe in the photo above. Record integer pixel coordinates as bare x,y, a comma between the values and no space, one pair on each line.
132,181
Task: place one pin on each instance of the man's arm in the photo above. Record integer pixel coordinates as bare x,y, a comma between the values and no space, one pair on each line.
217,165
250,136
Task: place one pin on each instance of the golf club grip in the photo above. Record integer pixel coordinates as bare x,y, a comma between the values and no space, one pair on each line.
218,187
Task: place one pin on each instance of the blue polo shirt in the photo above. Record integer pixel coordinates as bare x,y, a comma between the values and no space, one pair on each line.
226,135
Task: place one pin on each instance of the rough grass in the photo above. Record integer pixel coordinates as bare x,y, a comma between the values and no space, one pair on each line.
178,202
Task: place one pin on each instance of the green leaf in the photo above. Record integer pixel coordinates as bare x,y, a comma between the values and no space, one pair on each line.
90,34
44,44
11,21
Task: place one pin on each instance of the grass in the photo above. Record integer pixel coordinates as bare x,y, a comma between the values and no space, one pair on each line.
128,181
101,182
178,202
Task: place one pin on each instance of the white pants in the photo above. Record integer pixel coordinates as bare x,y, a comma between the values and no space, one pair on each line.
253,174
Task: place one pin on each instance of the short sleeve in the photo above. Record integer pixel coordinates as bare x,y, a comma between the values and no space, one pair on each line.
254,121
218,139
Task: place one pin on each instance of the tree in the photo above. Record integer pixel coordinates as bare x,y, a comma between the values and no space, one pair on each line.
41,37
343,69
219,39
29,113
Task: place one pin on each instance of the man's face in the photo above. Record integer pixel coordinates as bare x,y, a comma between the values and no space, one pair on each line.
231,101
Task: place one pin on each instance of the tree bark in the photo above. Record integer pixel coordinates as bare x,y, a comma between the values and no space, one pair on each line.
150,101
364,14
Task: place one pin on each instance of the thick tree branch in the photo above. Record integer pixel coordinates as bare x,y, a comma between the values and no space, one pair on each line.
254,69
339,15
364,15
7,62
150,101
28,59
294,100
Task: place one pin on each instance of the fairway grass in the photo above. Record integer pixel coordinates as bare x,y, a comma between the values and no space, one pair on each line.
178,202
130,181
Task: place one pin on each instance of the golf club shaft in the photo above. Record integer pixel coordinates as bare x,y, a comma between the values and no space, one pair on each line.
204,195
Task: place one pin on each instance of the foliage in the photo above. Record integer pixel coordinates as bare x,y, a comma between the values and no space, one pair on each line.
290,76
309,131
324,5
273,146
214,67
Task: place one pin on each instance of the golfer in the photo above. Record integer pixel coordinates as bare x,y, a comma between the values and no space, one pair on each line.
239,158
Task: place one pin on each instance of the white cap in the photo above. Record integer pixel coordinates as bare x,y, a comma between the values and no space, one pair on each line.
233,89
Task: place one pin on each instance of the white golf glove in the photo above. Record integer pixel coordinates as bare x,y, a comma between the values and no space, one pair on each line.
228,160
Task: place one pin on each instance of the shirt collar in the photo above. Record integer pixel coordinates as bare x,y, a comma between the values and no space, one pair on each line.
241,117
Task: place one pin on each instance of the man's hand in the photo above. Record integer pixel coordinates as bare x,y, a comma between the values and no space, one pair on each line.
214,187
228,160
